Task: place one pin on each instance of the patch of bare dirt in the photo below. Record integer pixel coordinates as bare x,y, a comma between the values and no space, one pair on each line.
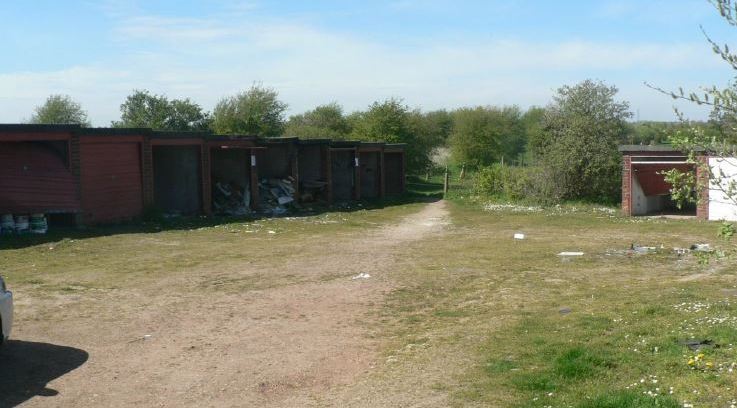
175,344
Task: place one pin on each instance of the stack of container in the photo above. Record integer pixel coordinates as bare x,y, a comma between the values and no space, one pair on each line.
22,224
38,224
7,224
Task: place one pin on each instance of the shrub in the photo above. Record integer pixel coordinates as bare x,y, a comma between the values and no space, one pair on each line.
537,184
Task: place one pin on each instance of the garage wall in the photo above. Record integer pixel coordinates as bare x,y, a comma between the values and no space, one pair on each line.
35,177
274,161
722,207
230,166
111,180
370,174
643,204
394,173
177,180
343,174
310,163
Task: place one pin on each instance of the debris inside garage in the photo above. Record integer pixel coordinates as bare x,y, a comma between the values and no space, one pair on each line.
277,195
231,199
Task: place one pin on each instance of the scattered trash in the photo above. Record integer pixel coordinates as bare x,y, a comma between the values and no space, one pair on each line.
695,344
231,199
312,189
519,236
568,253
362,275
701,247
275,194
143,338
512,208
681,251
642,249
564,310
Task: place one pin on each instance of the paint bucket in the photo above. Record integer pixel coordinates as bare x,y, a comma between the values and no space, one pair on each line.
7,224
38,224
21,224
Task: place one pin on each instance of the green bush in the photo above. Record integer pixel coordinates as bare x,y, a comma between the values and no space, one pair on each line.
535,184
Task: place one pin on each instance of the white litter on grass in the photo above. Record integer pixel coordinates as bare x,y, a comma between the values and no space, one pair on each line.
519,236
272,232
566,253
511,207
362,275
701,247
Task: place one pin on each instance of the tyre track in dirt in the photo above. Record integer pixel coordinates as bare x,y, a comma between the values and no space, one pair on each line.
283,346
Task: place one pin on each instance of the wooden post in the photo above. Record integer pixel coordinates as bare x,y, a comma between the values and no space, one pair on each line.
445,182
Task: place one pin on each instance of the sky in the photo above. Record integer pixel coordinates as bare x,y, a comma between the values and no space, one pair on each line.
433,54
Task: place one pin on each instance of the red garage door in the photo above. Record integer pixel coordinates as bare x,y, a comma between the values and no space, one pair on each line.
111,181
34,177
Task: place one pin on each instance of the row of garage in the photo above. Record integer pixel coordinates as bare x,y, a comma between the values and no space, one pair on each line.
105,175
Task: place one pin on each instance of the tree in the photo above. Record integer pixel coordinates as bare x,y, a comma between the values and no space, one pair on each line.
439,125
60,110
485,134
532,123
256,112
582,129
392,121
143,109
325,121
431,131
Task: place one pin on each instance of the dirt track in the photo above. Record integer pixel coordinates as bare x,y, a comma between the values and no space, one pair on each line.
170,344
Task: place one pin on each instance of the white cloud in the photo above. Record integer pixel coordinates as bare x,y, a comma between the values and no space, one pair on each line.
206,58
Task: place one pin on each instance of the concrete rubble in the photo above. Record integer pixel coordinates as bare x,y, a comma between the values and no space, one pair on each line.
231,199
277,195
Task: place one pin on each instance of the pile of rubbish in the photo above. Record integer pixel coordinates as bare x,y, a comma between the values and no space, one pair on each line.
276,195
231,199
22,224
312,189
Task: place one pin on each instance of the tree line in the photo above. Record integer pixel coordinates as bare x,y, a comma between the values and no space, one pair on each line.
566,150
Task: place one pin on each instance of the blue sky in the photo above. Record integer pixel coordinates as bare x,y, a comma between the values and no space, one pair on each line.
433,53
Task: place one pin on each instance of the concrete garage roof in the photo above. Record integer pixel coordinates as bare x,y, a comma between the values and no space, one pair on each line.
23,127
647,148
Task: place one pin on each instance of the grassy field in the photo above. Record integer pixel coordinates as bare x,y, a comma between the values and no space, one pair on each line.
532,329
471,314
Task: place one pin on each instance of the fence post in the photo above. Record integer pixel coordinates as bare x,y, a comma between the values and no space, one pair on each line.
445,182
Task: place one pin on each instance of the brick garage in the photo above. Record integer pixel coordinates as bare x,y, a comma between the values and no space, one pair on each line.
109,175
112,163
371,174
394,169
230,159
176,172
39,171
313,168
344,177
644,190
